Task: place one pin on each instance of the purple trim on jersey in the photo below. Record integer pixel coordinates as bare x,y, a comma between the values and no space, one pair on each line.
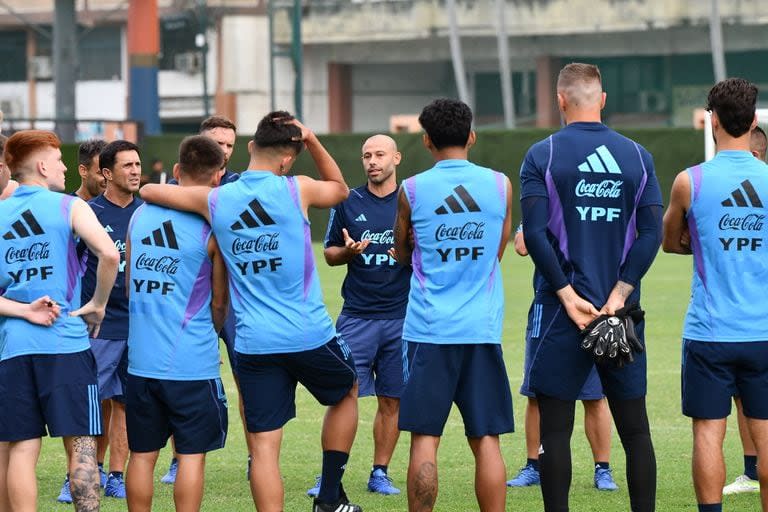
213,198
416,260
205,233
501,188
698,254
201,290
233,288
309,259
631,235
74,269
292,189
695,171
135,215
556,224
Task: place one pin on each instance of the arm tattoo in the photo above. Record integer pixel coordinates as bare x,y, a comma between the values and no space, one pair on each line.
624,289
84,474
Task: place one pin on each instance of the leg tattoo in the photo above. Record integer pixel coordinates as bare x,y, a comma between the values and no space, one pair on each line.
84,474
425,487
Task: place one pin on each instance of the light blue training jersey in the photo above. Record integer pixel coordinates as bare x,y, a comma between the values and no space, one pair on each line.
729,234
39,258
171,334
265,239
456,297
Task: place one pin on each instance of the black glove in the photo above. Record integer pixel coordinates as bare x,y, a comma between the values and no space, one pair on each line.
612,338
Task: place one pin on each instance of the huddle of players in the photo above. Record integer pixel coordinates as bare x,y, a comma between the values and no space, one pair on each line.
452,225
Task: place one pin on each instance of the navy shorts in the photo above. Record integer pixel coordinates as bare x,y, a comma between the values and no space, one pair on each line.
268,382
472,375
59,391
112,367
560,367
227,335
194,412
377,347
713,372
592,389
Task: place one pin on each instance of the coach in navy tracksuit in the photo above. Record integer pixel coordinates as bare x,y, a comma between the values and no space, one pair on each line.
375,293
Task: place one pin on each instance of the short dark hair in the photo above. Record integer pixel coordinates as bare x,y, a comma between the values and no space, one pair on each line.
200,157
274,133
88,150
217,122
734,101
758,141
3,138
448,122
108,155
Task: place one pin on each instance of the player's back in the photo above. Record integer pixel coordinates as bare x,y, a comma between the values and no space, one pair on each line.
39,258
595,180
265,239
727,222
456,296
171,329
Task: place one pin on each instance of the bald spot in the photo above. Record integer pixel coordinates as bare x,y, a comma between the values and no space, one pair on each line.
581,93
380,141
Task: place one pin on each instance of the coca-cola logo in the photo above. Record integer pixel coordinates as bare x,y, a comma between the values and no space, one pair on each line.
469,231
750,222
120,246
36,251
382,237
606,188
262,243
164,264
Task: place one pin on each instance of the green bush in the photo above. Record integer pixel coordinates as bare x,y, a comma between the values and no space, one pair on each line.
673,150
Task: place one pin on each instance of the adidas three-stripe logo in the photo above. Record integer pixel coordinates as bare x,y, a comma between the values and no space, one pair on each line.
737,197
247,220
25,229
601,161
157,237
459,193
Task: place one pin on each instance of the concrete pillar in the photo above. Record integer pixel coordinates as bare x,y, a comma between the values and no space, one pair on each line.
65,68
143,49
547,114
339,97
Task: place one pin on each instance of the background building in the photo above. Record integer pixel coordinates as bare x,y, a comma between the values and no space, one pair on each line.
366,60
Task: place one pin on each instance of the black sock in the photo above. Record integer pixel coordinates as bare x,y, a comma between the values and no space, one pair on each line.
101,465
334,464
174,460
556,427
116,474
602,465
750,466
712,507
631,421
534,463
379,466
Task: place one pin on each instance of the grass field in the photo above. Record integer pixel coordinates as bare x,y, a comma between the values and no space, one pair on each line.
665,292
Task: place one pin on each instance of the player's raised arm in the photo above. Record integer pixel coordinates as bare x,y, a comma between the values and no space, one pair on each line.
330,189
187,199
675,225
219,285
402,230
87,227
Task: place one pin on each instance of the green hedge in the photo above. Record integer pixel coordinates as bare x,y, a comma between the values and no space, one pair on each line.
673,149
